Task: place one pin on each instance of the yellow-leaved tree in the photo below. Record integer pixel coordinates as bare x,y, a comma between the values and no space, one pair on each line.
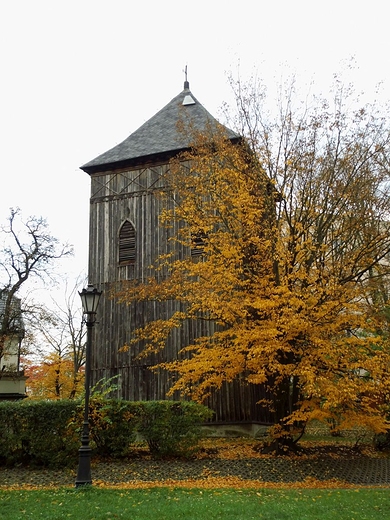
53,378
291,227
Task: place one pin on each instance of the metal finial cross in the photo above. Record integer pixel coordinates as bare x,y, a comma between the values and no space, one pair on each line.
186,83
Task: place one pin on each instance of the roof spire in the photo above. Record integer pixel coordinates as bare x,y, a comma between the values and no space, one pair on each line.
186,83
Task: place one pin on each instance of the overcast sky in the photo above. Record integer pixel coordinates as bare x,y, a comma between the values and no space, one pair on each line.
77,77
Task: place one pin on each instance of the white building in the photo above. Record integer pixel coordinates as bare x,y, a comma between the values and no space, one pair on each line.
12,379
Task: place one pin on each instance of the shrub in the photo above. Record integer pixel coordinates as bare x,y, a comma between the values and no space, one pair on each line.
37,432
48,433
112,425
382,441
172,428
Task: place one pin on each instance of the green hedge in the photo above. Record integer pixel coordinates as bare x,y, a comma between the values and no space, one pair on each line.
37,432
171,428
48,433
112,426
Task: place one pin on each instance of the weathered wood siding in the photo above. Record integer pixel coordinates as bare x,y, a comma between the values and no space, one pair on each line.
130,195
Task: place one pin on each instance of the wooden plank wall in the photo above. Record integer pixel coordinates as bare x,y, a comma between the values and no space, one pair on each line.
131,194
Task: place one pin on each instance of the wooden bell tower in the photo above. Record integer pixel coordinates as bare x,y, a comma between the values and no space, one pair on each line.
125,238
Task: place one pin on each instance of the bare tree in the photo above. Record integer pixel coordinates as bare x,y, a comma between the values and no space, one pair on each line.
57,335
28,250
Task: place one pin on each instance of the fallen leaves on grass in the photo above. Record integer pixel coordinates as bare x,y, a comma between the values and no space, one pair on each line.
206,483
233,483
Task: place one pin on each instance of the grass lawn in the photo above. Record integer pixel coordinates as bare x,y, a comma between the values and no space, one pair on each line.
172,504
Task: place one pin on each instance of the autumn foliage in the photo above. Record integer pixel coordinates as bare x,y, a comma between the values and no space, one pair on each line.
290,238
54,378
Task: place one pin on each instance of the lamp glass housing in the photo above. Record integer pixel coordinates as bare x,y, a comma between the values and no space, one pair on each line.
90,299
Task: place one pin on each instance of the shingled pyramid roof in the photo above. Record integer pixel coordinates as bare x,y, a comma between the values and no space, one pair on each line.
159,137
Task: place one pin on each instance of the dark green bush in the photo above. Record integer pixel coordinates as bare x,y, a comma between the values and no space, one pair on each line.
112,425
36,432
48,433
172,428
382,441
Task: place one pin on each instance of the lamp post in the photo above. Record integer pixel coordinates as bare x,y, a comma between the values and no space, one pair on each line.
90,300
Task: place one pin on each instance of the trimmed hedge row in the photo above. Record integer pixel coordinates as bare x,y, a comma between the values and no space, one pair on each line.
37,432
47,433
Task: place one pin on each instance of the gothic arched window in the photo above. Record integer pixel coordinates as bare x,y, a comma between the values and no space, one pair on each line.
127,243
198,243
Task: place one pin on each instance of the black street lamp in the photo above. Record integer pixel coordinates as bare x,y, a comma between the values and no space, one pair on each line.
90,300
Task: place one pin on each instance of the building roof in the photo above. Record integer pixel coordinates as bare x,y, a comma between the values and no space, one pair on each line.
159,136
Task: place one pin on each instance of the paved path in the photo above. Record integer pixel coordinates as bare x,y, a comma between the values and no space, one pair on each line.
359,470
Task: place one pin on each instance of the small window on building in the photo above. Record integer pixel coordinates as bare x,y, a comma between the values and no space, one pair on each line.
127,244
198,243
